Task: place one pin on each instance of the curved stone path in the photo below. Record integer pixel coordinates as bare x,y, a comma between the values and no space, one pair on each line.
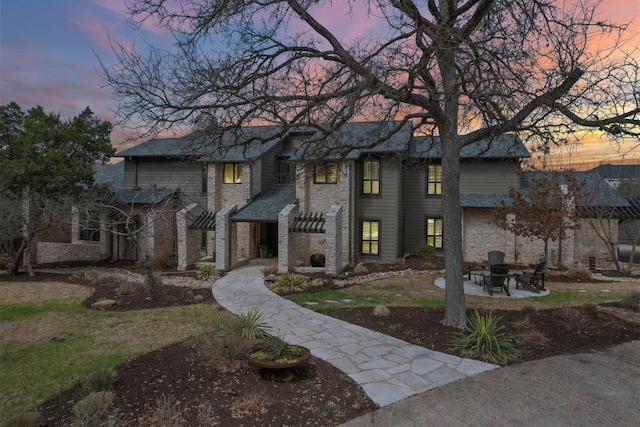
388,369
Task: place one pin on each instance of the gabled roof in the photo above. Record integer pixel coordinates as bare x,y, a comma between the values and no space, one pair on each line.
500,147
161,147
267,205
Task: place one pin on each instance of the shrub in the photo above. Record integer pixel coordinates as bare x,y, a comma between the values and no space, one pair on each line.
85,274
484,338
425,250
269,270
533,338
26,419
381,310
94,408
166,414
101,380
208,271
288,283
578,273
573,319
631,300
229,349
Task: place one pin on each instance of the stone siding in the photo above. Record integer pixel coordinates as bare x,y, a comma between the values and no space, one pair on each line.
67,252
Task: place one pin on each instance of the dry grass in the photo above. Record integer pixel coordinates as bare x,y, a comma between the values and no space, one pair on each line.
254,403
533,338
35,292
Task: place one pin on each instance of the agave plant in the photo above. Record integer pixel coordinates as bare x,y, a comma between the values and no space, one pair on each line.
253,325
484,338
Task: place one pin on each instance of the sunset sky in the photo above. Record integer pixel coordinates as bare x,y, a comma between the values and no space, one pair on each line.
48,57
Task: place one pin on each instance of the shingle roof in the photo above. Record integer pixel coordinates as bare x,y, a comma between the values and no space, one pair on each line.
247,143
483,200
110,174
599,195
501,147
355,138
349,142
609,171
267,205
143,196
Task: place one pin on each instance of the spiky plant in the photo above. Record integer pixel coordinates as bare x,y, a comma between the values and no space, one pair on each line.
253,325
288,283
208,272
485,339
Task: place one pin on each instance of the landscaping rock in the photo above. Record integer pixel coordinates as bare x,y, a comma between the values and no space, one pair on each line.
105,303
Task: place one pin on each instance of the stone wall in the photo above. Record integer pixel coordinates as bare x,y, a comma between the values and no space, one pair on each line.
66,252
481,235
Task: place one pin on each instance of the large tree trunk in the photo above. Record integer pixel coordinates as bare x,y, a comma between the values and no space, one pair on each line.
455,314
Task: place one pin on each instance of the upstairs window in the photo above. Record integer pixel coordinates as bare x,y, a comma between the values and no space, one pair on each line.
205,175
232,173
371,176
286,173
434,232
434,180
326,173
370,244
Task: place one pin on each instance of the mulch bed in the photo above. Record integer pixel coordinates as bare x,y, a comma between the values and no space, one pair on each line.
319,395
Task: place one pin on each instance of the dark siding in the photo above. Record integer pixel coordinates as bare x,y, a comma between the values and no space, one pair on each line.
384,208
130,173
488,176
163,173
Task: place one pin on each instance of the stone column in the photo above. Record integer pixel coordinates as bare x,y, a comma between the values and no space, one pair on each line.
224,238
286,217
181,237
333,238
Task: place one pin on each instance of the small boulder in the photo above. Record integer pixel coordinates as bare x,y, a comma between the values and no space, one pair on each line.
198,299
105,303
381,311
360,269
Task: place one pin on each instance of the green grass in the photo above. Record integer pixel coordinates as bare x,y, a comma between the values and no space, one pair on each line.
49,347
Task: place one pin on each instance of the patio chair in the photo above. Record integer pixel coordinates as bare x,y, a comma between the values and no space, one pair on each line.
481,276
498,278
495,257
532,281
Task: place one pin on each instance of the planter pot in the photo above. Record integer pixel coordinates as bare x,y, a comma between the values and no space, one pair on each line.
317,260
300,360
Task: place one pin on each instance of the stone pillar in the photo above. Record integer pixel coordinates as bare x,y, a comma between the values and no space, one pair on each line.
181,236
333,238
224,238
286,218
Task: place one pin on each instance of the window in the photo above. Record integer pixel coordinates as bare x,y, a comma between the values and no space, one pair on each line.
232,173
203,240
326,173
89,226
434,179
371,176
434,232
370,237
286,172
204,178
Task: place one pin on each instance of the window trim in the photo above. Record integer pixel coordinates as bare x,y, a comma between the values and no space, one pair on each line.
434,236
362,240
371,180
236,177
326,167
437,183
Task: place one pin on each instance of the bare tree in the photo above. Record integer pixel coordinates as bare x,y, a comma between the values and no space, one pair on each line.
545,209
604,208
132,220
464,70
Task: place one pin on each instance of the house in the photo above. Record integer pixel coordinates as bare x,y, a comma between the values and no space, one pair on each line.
299,192
368,192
